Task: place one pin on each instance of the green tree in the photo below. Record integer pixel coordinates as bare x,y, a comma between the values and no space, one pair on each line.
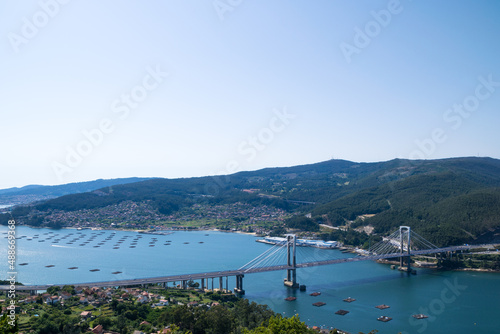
280,325
69,289
6,325
53,290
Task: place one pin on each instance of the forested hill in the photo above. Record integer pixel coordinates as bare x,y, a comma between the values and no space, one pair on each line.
33,193
449,201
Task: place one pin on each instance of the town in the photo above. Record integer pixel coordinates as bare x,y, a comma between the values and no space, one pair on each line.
139,216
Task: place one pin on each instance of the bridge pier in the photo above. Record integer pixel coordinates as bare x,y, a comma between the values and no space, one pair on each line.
221,287
402,249
184,284
239,285
203,284
291,274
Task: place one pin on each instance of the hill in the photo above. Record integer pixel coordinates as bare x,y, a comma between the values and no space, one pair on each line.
32,193
449,201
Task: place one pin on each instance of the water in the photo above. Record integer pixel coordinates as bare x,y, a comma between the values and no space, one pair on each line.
457,302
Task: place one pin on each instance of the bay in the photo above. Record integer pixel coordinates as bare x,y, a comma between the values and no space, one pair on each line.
458,302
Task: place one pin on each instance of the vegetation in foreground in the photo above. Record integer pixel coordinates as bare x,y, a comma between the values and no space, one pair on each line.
76,310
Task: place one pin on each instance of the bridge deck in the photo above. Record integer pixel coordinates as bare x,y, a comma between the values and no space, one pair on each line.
215,274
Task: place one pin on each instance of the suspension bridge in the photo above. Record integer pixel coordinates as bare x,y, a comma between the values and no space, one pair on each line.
403,244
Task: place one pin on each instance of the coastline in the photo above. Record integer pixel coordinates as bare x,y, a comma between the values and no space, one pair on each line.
140,230
481,270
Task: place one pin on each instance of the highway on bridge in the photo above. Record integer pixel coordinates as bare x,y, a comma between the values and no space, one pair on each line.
227,273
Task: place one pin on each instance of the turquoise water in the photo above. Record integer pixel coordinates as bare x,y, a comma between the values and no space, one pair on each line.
456,302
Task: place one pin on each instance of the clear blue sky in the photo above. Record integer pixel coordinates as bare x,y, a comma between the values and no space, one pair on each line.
190,88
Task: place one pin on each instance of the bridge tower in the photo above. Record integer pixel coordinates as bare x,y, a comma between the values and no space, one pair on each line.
291,274
405,237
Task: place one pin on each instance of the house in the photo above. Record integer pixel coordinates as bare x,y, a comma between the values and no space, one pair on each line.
30,300
162,302
85,315
51,300
65,295
98,329
84,300
143,299
109,292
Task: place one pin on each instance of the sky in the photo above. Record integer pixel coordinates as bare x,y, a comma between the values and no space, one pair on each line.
182,88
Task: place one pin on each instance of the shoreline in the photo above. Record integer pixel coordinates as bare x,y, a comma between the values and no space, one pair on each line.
140,230
481,270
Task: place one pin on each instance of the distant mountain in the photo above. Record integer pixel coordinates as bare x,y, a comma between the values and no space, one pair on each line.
448,201
32,193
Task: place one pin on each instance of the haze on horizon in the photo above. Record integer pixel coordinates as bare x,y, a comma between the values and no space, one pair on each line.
95,90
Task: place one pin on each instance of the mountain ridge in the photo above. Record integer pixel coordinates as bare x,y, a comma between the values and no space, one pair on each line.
422,193
39,192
